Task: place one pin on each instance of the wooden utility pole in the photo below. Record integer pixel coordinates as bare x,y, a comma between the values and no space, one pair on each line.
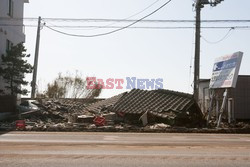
33,83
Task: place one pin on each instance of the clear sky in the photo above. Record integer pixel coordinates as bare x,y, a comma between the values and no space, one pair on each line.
141,53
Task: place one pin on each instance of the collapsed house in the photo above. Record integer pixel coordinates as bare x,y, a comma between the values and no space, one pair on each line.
53,113
152,106
104,105
136,110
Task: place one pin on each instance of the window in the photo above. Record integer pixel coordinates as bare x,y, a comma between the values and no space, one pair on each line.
8,45
10,8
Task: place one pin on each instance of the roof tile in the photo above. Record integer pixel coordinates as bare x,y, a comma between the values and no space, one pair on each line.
157,102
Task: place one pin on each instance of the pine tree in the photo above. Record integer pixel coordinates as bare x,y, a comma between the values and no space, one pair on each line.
13,69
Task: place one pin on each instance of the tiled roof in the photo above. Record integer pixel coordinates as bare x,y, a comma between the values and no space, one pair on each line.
104,104
72,105
174,108
157,102
69,105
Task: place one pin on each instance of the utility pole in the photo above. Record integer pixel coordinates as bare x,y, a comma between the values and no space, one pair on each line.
198,7
33,83
199,4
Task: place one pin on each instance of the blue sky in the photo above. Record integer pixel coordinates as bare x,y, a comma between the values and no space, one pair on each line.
141,53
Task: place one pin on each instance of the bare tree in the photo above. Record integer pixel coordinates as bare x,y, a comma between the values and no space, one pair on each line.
69,86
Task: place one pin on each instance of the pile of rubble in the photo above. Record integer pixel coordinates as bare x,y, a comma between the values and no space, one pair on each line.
137,110
53,114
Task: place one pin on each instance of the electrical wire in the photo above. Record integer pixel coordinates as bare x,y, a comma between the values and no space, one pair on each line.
155,27
141,10
132,20
115,21
107,33
129,16
119,20
223,38
135,27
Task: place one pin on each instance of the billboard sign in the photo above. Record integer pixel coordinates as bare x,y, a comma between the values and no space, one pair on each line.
225,71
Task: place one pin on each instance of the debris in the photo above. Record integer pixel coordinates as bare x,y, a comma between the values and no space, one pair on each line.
159,126
85,118
110,118
99,121
53,114
144,118
163,106
72,118
129,111
102,106
20,125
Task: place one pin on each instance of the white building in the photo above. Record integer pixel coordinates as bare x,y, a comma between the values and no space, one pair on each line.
11,26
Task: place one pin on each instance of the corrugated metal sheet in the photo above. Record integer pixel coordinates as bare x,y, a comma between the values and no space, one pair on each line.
241,96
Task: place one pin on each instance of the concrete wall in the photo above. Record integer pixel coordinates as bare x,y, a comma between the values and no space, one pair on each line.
13,33
7,104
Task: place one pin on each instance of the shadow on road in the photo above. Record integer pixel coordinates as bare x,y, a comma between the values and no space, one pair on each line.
3,131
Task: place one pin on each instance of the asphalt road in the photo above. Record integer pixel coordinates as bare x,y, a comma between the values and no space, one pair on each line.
36,149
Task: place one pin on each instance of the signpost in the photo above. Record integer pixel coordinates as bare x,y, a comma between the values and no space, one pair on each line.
224,75
225,71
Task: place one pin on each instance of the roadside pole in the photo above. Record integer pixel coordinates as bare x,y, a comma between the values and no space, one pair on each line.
199,4
222,107
198,7
33,83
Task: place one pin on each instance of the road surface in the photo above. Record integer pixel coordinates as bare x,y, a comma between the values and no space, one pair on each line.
39,149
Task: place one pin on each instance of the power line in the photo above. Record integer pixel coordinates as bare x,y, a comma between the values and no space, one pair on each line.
158,27
134,27
117,21
151,21
140,11
170,27
122,20
224,37
110,32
